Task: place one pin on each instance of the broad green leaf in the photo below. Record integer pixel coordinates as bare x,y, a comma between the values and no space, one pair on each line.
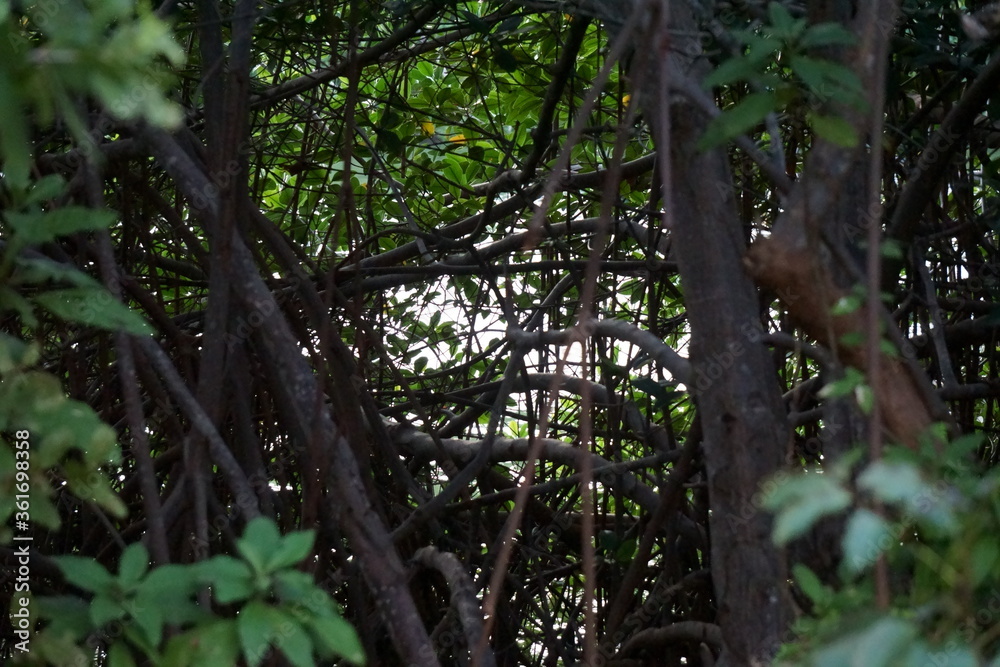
895,482
811,585
333,635
44,226
852,339
149,623
16,353
844,386
86,573
230,578
15,151
892,249
748,113
828,81
45,188
93,307
784,24
260,542
883,642
834,129
984,557
37,271
826,34
167,588
847,304
866,537
87,485
52,647
10,300
120,656
294,642
735,69
67,614
293,549
133,565
258,629
299,587
801,501
215,643
104,609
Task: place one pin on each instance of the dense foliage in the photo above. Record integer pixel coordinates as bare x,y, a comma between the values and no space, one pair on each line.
522,321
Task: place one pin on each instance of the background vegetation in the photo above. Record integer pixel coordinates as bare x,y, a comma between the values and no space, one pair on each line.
504,332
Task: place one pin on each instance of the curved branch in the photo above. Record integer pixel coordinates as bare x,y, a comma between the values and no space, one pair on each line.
653,639
463,596
678,366
422,445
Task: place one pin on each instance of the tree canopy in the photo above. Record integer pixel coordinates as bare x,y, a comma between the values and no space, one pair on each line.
528,332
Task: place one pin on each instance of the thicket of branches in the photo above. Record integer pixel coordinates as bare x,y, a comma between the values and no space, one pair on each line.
456,285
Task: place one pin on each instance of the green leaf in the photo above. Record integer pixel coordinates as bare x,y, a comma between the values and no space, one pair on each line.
215,643
167,589
93,307
882,643
801,501
333,635
104,609
748,113
120,656
299,587
852,339
41,227
828,81
834,129
892,249
844,386
150,622
811,586
294,642
257,624
260,542
88,485
659,391
826,34
293,549
984,557
10,300
50,647
133,565
784,24
45,188
733,70
866,537
16,353
86,573
67,614
38,271
895,482
230,578
847,304
15,150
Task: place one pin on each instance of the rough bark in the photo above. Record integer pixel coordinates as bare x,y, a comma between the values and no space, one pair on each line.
734,380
